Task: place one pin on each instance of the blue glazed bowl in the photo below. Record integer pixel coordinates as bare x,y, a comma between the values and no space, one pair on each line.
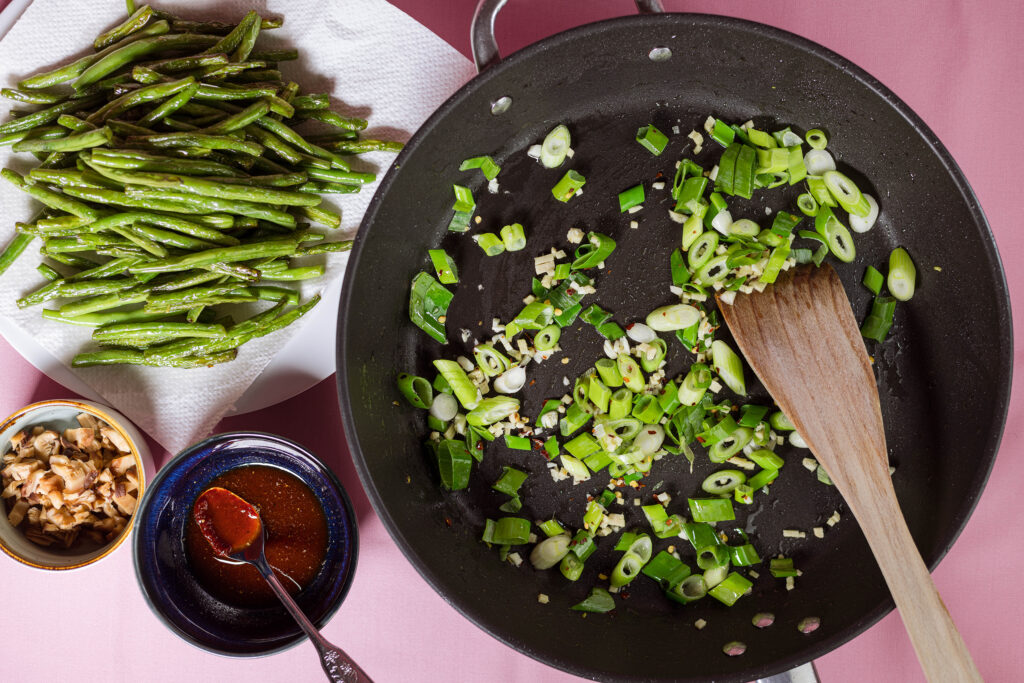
162,567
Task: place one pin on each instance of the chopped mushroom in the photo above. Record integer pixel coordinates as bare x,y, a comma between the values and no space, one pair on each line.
59,487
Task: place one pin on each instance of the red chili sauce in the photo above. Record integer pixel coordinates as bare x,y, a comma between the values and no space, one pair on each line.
294,524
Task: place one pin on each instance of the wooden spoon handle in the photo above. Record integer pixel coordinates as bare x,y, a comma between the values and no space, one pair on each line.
939,647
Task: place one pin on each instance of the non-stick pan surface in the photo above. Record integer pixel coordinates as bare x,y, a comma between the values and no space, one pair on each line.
943,374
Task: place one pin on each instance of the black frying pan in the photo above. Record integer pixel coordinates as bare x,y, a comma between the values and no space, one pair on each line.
944,380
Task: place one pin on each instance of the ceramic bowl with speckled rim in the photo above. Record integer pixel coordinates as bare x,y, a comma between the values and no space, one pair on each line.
60,414
162,567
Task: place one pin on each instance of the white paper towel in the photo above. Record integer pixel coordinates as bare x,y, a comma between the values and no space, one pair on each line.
377,63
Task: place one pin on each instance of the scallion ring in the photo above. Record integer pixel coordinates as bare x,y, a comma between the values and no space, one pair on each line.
444,407
417,390
510,381
809,207
818,161
847,193
670,318
702,249
730,445
865,223
649,440
547,338
550,551
816,138
555,147
723,482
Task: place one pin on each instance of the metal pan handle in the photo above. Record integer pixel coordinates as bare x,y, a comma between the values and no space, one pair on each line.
485,45
805,673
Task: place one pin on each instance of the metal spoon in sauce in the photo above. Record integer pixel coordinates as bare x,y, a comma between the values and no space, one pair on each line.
234,530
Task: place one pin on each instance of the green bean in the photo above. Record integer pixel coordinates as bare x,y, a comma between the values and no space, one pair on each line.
14,249
125,129
247,41
139,48
48,272
52,199
171,105
61,222
48,115
171,307
78,67
281,107
242,252
171,283
258,194
141,241
203,204
275,144
191,295
334,119
364,146
230,42
241,119
295,274
188,63
77,288
75,124
326,139
162,330
40,132
140,161
83,241
104,302
97,319
34,97
71,143
327,188
171,238
104,196
274,180
325,248
117,266
183,226
70,260
271,293
41,295
322,215
293,138
188,139
266,76
276,55
147,76
341,177
136,21
235,337
218,93
157,91
133,357
313,101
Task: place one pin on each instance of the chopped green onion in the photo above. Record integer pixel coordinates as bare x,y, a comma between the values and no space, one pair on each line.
485,164
728,366
819,192
730,445
547,338
510,481
454,463
490,410
551,447
711,509
463,199
647,409
649,361
722,133
712,556
666,569
444,265
632,376
847,193
490,361
555,147
762,479
873,280
674,317
582,446
816,138
780,422
609,372
902,275
417,390
876,326
689,589
766,459
781,567
725,180
551,528
519,443
428,305
598,248
743,494
550,551
460,221
621,403
568,186
634,196
723,482
751,415
511,531
652,139
805,202
695,384
571,567
573,420
702,250
490,243
690,194
536,315
599,601
514,237
731,589
462,386
598,394
796,165
823,476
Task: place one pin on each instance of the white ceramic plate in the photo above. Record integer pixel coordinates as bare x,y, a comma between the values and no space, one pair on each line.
305,360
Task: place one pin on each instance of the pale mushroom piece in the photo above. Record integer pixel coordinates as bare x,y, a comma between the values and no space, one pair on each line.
61,518
122,464
13,489
87,420
73,472
31,483
38,537
20,470
17,512
133,478
47,443
126,503
34,515
19,439
105,476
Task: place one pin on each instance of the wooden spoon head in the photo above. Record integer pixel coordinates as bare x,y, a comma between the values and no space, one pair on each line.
801,339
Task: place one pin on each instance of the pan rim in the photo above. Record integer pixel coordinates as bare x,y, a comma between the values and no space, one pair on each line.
707,21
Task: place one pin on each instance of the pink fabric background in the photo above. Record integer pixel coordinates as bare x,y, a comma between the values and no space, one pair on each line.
957,64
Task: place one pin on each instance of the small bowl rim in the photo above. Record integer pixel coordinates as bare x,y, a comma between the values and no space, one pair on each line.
155,485
97,410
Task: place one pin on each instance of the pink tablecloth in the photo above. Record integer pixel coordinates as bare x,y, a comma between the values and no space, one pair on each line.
958,64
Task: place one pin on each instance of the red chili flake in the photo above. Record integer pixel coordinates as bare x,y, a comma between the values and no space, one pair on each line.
624,595
447,521
570,291
538,443
532,382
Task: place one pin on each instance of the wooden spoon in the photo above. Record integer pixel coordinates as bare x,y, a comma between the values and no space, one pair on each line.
802,341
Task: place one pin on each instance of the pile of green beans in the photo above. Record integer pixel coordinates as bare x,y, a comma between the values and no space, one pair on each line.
174,182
